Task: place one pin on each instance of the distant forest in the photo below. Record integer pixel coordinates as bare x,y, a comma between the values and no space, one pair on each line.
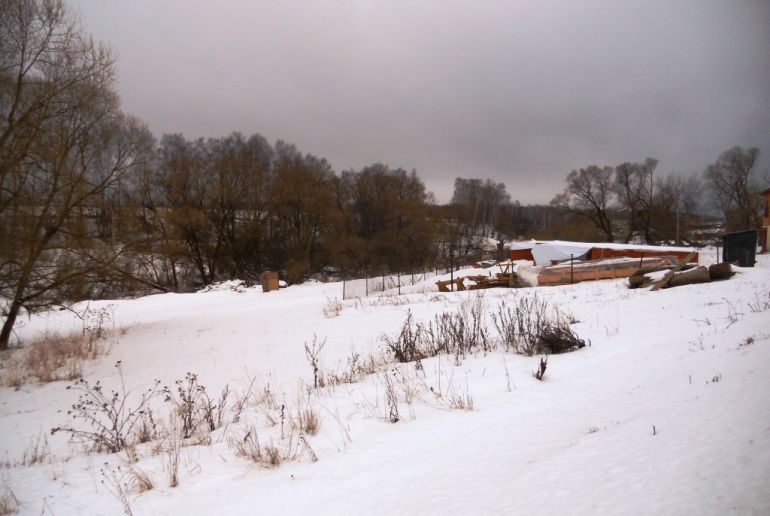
92,204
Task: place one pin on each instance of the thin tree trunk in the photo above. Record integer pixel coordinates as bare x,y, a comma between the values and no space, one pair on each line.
10,320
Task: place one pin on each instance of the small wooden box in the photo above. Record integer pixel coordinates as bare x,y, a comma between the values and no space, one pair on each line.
269,281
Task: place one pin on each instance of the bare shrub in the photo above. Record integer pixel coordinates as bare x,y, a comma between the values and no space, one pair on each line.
354,370
14,373
308,449
312,352
185,402
520,324
391,400
504,320
333,307
459,334
527,327
214,410
454,398
38,451
759,304
460,401
266,398
139,481
197,411
273,455
268,455
408,345
56,357
95,322
116,482
410,387
557,338
132,456
309,421
110,420
9,504
147,429
734,313
472,312
247,446
173,450
540,372
287,447
240,401
52,357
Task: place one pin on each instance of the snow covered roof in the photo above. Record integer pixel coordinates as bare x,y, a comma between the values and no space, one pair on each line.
546,252
607,245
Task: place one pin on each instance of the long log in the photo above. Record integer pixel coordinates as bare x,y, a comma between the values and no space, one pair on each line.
699,274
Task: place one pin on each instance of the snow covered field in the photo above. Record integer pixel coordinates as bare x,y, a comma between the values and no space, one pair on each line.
667,411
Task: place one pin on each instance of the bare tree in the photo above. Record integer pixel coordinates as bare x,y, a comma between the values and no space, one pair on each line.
633,185
208,199
732,184
300,205
675,207
382,220
589,193
481,204
64,144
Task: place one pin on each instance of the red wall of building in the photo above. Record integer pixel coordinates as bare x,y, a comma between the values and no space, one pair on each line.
599,252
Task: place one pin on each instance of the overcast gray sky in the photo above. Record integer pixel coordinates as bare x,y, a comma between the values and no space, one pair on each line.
520,91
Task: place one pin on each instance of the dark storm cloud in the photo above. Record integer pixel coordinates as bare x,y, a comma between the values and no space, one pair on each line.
518,91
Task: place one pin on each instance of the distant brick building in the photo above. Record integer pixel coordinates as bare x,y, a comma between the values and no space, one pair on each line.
764,233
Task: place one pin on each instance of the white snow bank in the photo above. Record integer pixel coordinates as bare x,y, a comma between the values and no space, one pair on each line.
667,412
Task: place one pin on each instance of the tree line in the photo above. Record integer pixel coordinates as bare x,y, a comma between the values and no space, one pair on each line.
236,206
628,202
93,205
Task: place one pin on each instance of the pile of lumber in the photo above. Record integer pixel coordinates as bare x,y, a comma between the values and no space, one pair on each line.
679,274
446,285
501,279
611,268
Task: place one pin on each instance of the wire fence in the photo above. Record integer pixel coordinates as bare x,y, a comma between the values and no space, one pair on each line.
375,285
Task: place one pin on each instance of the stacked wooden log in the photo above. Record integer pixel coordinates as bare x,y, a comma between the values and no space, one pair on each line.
678,275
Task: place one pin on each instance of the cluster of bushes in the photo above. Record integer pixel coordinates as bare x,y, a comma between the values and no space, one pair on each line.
54,356
526,326
114,421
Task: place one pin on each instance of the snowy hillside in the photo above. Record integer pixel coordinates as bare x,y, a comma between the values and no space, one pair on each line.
666,412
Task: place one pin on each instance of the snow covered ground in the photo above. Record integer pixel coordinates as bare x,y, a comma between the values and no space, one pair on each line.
667,411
